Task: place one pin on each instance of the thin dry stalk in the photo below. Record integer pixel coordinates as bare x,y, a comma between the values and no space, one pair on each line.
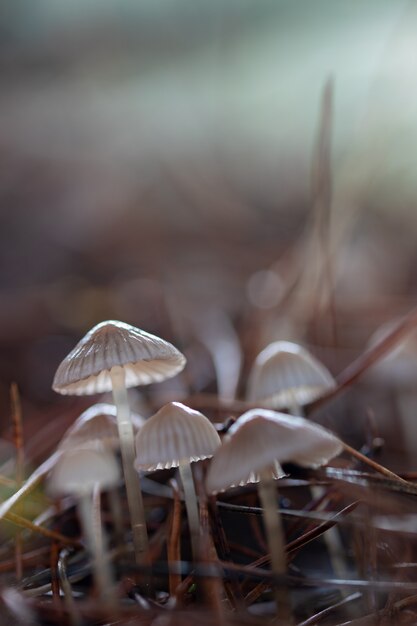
17,432
322,204
29,485
173,544
213,587
20,464
381,469
325,612
54,574
41,530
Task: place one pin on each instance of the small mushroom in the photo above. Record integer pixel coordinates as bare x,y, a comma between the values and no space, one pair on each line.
98,423
286,375
78,473
176,436
112,357
254,443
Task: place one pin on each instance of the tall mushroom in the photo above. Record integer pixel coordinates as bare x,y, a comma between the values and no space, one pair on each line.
176,436
114,356
257,440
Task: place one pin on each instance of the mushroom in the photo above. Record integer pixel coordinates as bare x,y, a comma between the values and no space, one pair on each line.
112,357
257,440
78,473
286,375
99,423
176,436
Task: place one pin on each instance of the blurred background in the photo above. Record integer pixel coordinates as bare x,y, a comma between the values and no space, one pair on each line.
159,164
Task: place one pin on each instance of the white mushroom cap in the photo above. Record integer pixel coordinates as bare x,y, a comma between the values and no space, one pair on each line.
285,372
97,423
254,477
175,434
260,437
78,471
144,358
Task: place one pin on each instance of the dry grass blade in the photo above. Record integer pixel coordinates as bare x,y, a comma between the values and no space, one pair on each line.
321,169
17,432
320,529
20,463
373,464
316,618
50,534
365,480
29,485
322,199
173,544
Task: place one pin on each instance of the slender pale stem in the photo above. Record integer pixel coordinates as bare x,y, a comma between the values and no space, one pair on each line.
116,513
191,505
294,407
331,536
91,525
276,541
127,449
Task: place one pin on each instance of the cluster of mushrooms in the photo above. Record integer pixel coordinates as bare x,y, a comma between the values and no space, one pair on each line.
114,356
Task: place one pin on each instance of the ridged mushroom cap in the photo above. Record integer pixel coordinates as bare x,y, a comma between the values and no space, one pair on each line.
284,373
260,437
144,358
254,477
174,434
78,471
97,423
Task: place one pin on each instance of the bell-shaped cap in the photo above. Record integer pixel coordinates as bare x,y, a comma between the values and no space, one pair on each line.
144,358
78,471
175,434
254,477
97,423
284,374
261,437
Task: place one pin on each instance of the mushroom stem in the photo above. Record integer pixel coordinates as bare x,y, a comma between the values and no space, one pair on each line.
331,536
116,513
73,612
276,542
127,449
94,538
191,505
